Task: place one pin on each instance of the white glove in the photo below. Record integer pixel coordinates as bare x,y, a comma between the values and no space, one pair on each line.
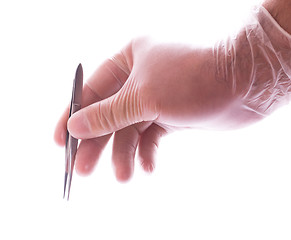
150,89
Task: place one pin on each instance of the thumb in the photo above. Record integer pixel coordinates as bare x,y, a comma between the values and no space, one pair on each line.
107,116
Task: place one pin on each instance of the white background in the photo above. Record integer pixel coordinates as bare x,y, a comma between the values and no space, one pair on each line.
207,185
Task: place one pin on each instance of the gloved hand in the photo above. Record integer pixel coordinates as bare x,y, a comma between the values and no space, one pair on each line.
150,89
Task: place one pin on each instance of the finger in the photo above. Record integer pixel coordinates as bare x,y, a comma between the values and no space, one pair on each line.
106,81
61,129
123,151
89,97
121,110
89,153
124,147
109,77
148,145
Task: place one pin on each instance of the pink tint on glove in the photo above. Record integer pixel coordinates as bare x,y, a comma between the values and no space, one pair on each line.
256,64
150,89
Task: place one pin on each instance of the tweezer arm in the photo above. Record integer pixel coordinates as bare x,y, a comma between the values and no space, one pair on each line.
75,107
71,142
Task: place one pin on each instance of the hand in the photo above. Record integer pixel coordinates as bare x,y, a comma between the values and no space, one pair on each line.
142,93
150,89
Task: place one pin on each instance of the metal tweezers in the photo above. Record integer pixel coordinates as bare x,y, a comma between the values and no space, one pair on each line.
71,142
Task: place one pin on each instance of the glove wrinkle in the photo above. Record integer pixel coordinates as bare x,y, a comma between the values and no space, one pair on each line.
256,64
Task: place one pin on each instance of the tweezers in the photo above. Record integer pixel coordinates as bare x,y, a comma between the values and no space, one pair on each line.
71,142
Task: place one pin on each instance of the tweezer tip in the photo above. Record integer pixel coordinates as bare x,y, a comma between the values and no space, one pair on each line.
65,184
79,67
79,73
67,187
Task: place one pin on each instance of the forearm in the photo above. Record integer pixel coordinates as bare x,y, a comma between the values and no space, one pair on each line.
281,12
256,65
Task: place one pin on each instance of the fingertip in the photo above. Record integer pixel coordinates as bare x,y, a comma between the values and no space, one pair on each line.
123,179
148,165
60,137
84,170
83,163
61,129
77,126
123,175
86,158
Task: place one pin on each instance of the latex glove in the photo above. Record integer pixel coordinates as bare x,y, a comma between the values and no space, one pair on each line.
150,89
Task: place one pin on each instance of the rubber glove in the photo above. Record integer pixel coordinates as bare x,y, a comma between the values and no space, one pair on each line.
150,89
